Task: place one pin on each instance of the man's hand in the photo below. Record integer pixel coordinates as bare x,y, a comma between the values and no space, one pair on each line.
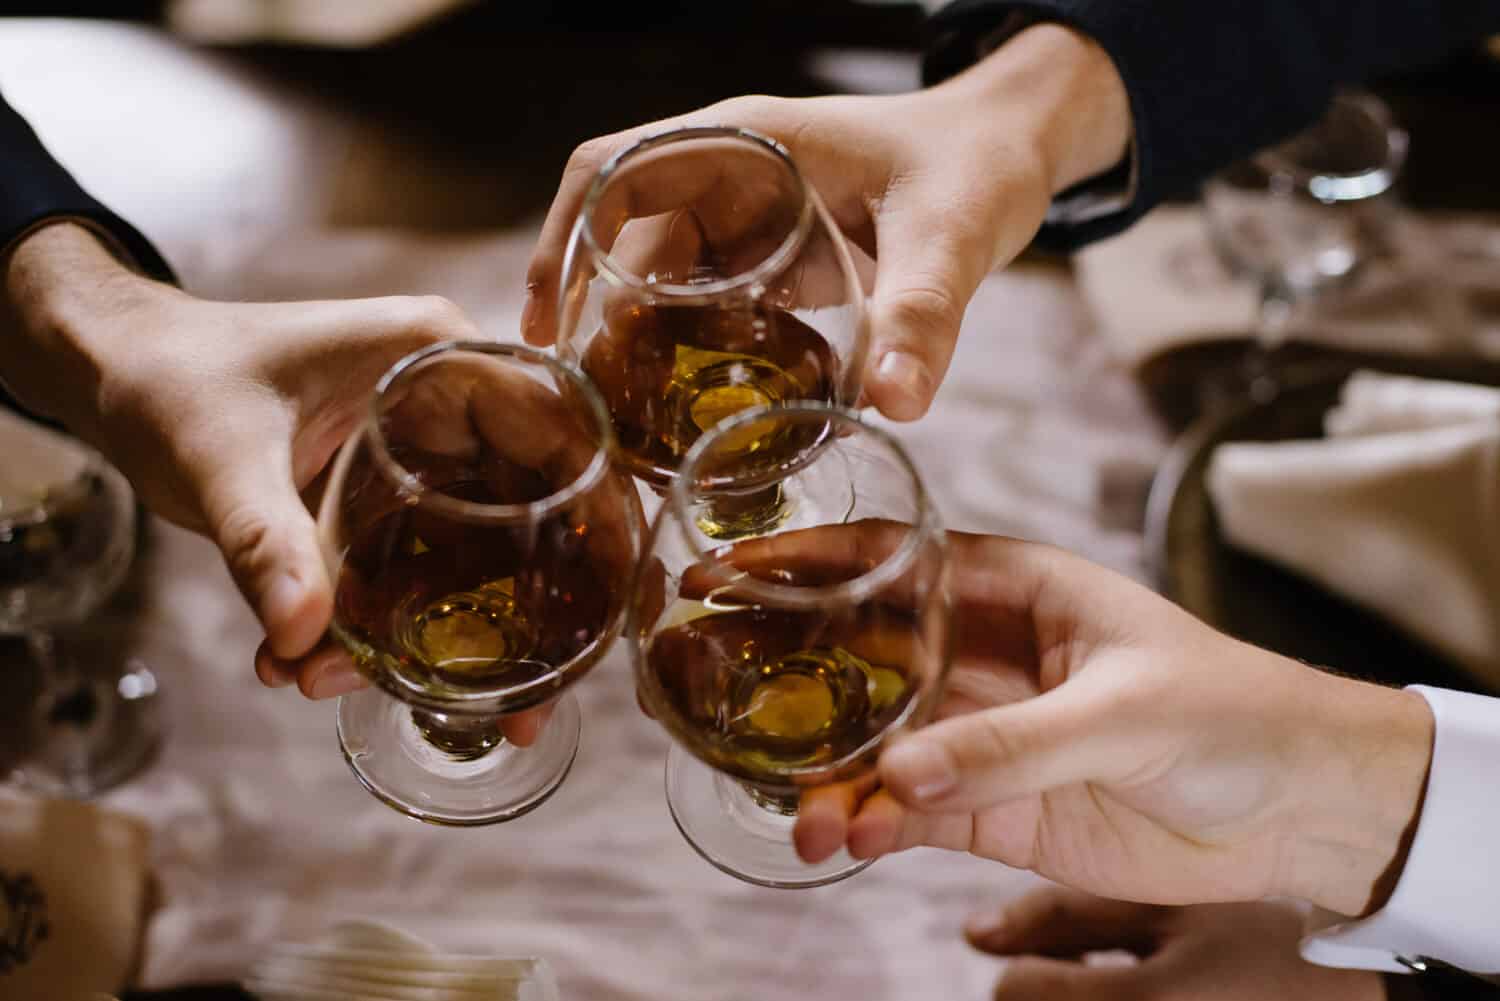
1231,952
1093,732
939,186
219,413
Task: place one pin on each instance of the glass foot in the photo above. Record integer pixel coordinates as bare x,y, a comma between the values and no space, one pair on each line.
92,734
739,832
389,755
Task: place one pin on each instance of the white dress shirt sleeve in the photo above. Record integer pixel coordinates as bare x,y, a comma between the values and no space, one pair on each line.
1446,904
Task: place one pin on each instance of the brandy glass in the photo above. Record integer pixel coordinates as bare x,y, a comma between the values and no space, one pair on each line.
704,277
482,544
784,662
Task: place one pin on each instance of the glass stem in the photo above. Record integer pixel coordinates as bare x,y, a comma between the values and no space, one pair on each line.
784,804
42,647
64,690
735,516
461,737
1272,322
68,706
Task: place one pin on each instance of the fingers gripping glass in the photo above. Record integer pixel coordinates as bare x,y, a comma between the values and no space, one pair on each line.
481,544
785,662
705,277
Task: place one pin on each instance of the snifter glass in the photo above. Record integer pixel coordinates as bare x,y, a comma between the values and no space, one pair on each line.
482,544
704,277
785,661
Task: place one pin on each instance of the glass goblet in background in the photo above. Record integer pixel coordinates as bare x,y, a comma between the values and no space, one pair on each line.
1304,217
67,541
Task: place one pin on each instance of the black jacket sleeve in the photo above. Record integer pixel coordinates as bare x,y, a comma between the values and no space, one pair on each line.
35,187
1211,81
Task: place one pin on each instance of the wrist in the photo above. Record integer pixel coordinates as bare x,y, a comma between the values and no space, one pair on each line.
56,286
1071,102
1365,773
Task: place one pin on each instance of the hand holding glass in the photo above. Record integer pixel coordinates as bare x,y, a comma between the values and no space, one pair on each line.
481,544
704,277
786,661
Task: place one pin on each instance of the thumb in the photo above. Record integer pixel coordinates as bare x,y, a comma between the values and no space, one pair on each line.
931,257
973,761
270,544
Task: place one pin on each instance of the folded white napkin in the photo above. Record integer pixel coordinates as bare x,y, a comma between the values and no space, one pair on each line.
359,960
1396,509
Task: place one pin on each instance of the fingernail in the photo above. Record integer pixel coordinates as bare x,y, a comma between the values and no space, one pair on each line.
283,598
341,679
926,770
984,924
909,376
277,679
528,310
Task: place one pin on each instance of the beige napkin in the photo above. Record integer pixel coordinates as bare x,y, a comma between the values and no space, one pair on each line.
1160,285
1396,509
73,897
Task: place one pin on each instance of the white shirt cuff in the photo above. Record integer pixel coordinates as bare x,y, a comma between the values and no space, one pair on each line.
1446,905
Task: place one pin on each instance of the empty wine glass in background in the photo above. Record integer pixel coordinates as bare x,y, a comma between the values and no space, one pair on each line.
482,545
785,661
705,277
1304,217
67,541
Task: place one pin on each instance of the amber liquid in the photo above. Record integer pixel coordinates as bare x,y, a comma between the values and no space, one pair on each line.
669,373
455,606
769,694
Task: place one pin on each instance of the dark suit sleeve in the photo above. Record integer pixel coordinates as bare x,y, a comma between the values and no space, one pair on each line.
35,187
1211,81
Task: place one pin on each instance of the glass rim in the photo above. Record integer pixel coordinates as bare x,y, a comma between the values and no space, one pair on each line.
410,487
502,698
680,292
923,526
1353,185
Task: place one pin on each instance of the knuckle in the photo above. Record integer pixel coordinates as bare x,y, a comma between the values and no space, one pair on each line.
748,109
245,535
439,314
587,157
992,742
926,308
